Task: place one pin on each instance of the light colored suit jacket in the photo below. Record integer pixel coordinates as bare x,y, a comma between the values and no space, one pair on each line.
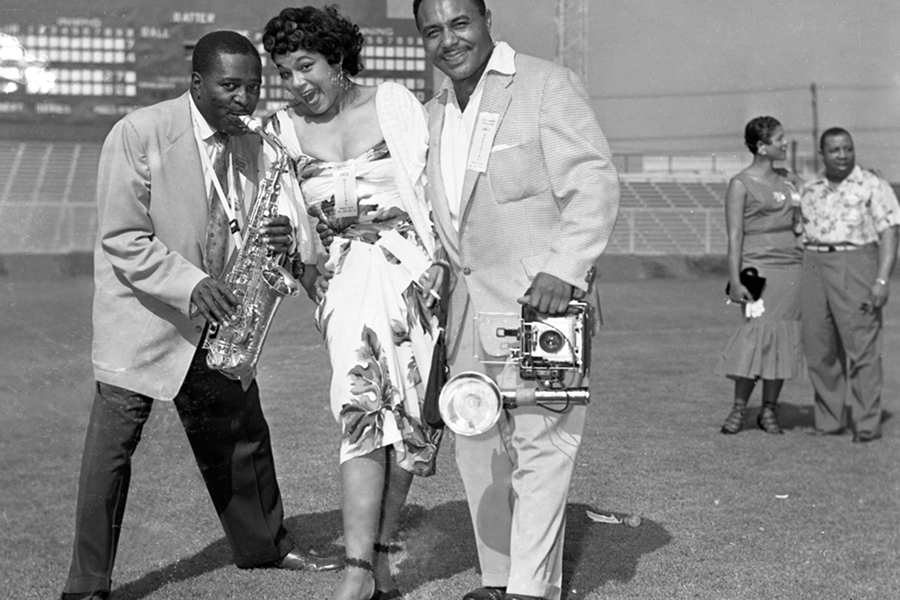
153,214
547,202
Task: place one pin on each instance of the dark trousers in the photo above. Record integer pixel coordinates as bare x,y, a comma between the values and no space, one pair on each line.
842,343
230,439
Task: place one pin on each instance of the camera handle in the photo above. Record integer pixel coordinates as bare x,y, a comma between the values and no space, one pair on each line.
533,397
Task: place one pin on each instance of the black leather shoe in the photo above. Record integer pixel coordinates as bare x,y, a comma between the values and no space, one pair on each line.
85,596
298,560
862,438
486,593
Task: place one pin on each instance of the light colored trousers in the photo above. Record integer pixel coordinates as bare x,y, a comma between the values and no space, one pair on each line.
517,478
842,343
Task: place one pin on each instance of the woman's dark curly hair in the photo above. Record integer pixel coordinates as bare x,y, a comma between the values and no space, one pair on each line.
313,29
759,130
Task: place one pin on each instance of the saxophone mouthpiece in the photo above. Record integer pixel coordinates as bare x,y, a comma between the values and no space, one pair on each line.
251,123
256,127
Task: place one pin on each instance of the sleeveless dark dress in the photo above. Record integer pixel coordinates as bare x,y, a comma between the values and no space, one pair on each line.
769,346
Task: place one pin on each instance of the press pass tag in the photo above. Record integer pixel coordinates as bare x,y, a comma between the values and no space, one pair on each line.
482,141
345,192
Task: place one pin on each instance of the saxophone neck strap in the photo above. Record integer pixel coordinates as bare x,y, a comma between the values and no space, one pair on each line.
229,200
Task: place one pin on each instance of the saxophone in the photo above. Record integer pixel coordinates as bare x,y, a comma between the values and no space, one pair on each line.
257,278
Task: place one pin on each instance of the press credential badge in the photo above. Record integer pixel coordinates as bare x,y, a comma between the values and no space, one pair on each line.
482,141
345,191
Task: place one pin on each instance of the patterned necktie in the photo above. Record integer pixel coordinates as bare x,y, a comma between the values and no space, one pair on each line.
217,230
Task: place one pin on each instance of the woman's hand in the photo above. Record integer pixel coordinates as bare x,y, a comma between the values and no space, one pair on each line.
432,281
321,288
325,227
739,293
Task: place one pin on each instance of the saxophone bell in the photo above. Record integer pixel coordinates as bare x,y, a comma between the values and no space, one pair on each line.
281,281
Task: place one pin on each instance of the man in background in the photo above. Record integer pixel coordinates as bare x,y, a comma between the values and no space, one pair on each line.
525,197
850,218
171,177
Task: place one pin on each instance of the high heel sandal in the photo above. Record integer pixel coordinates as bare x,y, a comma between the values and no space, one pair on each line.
365,566
735,421
393,594
768,420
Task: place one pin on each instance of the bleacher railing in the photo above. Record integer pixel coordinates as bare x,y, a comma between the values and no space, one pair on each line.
54,228
723,165
47,205
47,227
46,197
653,231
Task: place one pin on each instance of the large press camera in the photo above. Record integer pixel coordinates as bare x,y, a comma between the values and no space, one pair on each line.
553,352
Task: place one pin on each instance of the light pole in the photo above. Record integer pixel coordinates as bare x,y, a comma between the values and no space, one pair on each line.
572,33
815,126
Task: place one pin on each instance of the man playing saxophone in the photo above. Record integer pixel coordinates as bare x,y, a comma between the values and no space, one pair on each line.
175,184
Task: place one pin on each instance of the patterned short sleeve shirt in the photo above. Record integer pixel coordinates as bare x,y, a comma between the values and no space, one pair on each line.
855,212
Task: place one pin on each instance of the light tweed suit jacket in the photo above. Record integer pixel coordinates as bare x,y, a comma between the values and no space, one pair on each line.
547,202
148,257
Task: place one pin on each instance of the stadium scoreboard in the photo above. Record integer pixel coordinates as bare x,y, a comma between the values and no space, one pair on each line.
100,63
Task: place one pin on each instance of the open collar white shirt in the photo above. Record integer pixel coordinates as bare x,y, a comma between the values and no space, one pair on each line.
459,125
205,137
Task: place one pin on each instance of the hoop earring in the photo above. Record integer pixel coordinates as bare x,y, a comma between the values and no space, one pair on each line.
340,80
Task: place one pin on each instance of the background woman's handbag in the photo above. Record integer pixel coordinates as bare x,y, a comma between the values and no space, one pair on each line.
751,280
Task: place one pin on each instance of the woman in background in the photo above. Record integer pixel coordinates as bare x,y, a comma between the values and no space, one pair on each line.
358,159
759,212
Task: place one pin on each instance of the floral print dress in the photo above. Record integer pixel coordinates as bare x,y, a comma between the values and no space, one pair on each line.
379,333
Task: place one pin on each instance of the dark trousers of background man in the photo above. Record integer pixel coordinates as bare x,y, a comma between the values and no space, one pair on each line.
841,341
230,440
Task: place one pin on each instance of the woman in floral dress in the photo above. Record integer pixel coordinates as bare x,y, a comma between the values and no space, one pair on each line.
358,158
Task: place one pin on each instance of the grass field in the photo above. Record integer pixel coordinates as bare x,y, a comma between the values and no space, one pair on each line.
750,516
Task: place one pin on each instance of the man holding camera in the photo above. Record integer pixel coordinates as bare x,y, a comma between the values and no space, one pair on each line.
525,197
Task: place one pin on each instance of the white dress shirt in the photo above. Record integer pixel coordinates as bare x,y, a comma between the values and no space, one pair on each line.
456,134
205,136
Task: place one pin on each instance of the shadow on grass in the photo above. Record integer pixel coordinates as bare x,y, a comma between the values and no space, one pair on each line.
792,416
440,543
316,531
597,553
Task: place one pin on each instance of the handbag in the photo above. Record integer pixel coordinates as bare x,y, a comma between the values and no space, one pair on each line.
438,375
751,280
